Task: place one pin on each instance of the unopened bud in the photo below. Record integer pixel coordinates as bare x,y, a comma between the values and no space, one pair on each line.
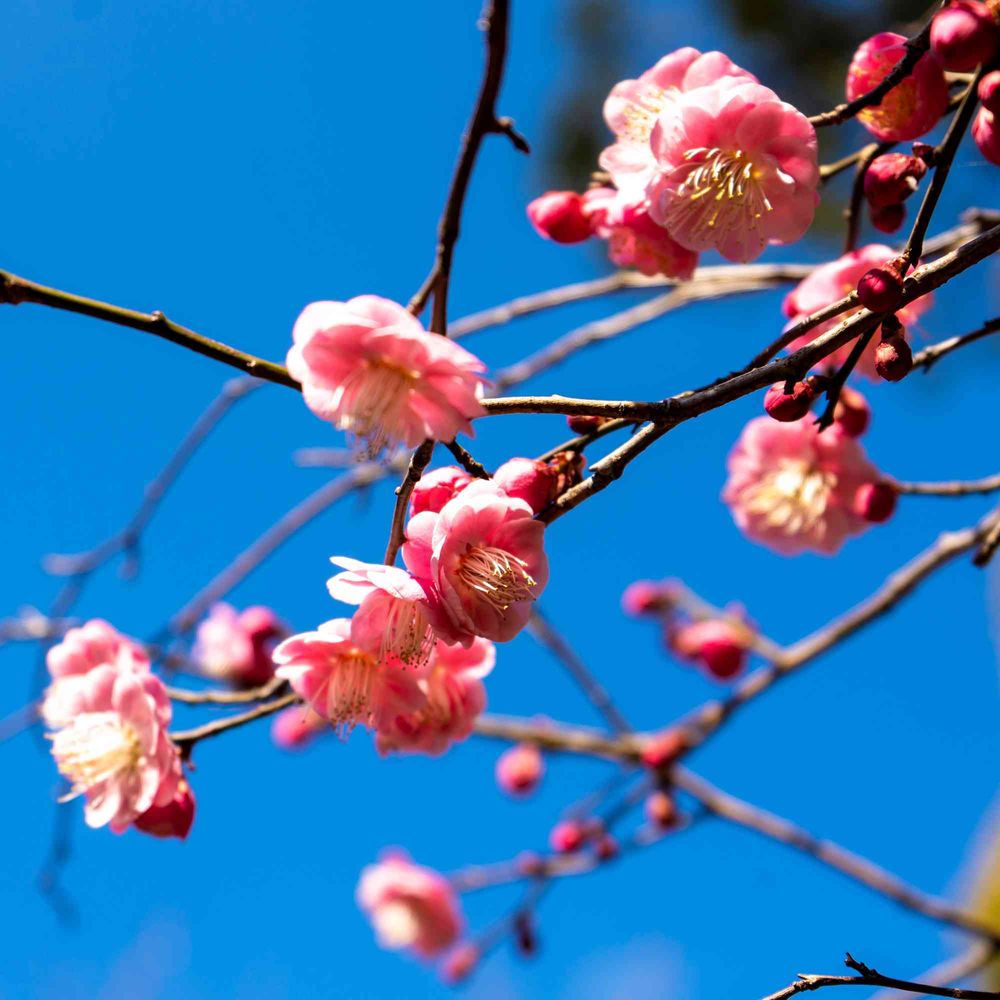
567,836
889,218
892,178
172,820
646,597
875,502
986,132
720,646
606,847
852,412
459,963
989,91
963,35
529,480
559,216
789,406
664,748
582,424
661,810
520,769
893,358
880,288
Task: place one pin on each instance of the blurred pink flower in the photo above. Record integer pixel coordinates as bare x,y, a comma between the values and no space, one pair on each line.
737,169
833,281
484,559
520,768
371,369
794,489
410,906
455,697
295,727
237,646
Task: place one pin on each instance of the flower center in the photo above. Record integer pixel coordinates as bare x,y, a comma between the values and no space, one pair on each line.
641,113
792,497
396,924
720,192
374,403
352,690
408,634
95,747
500,578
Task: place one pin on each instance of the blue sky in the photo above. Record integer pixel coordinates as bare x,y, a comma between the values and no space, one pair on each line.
229,161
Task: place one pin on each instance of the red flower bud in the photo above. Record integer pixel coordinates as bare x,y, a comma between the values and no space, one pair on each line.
790,406
661,810
888,219
606,847
646,597
172,820
987,135
875,502
892,178
989,91
459,963
963,35
559,216
529,480
664,748
520,769
567,836
893,358
580,424
720,646
880,288
852,412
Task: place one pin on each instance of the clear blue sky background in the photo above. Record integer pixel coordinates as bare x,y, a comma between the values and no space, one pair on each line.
228,161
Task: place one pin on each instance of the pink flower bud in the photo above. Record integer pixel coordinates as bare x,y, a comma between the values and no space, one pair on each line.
262,624
295,727
963,35
892,178
645,597
889,218
913,106
875,502
852,412
987,135
519,769
880,288
529,480
790,406
560,216
567,836
172,820
720,646
661,810
459,963
989,91
580,424
606,848
435,489
664,748
893,358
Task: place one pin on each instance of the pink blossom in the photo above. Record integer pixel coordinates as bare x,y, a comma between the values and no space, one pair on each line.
484,559
174,819
737,170
343,682
115,750
371,369
455,697
410,906
831,282
520,768
559,216
634,106
634,239
237,646
81,650
436,488
393,613
793,488
914,106
295,727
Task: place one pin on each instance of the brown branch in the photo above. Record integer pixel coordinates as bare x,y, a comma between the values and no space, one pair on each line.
957,488
214,696
484,121
187,738
464,459
557,738
852,213
419,461
951,970
930,355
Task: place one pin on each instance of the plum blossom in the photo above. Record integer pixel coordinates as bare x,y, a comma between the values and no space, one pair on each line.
455,696
346,683
295,727
833,281
436,488
394,613
737,169
410,906
172,819
483,557
794,488
114,749
634,106
236,646
371,369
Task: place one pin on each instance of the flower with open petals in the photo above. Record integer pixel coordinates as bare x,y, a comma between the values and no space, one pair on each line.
455,697
410,906
94,644
484,561
633,107
833,281
370,368
343,682
794,488
236,646
393,611
114,750
737,169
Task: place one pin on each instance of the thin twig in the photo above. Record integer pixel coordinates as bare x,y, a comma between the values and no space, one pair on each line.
214,696
930,355
951,970
957,488
419,461
187,738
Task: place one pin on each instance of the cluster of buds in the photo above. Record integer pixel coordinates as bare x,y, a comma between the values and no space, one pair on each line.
893,357
889,181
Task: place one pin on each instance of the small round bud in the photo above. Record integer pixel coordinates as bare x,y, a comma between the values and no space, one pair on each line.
852,412
581,424
661,810
435,489
173,819
567,836
892,178
880,288
989,91
664,748
645,597
986,132
529,480
875,502
606,848
963,35
459,963
720,646
560,216
889,218
788,406
519,769
893,358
